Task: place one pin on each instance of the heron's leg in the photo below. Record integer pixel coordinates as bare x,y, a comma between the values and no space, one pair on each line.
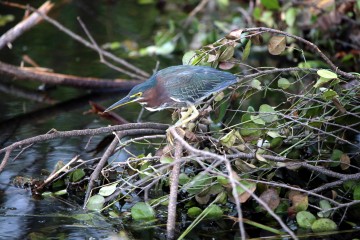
140,114
191,114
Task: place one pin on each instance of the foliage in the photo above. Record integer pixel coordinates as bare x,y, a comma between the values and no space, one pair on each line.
280,142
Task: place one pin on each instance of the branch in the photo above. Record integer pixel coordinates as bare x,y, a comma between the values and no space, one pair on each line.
25,25
174,184
18,73
87,132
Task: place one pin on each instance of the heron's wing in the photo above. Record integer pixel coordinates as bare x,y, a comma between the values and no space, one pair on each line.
194,84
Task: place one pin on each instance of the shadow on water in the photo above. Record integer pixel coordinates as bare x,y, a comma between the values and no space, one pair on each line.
21,215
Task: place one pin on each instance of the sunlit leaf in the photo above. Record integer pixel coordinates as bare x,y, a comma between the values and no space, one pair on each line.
60,192
277,45
188,58
229,139
107,190
142,211
305,219
95,202
290,16
271,4
326,74
323,225
274,134
283,83
256,84
165,159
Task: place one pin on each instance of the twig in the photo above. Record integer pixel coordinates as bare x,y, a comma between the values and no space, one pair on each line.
311,45
223,159
99,50
174,184
153,127
98,169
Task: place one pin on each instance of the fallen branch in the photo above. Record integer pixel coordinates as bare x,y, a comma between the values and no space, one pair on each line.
18,73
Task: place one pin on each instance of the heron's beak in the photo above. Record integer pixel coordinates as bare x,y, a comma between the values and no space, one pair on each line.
122,102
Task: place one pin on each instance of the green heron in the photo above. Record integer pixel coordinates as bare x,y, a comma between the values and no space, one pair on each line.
176,87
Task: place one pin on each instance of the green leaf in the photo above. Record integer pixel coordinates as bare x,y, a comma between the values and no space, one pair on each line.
164,159
95,203
142,211
83,216
305,219
290,16
194,212
247,184
321,81
328,95
223,180
356,193
325,206
271,4
335,157
213,212
256,84
326,74
198,183
283,83
246,52
274,134
257,120
257,13
250,129
227,54
229,139
107,190
267,113
188,58
324,225
60,192
77,175
183,179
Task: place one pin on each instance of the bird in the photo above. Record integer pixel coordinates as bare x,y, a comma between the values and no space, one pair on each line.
182,86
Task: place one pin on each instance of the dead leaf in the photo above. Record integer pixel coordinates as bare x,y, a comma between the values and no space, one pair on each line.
234,34
271,198
344,161
277,45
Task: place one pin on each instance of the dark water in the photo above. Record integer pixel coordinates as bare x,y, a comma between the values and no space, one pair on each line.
20,213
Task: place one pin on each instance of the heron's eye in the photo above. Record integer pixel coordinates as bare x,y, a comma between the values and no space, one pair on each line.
136,95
